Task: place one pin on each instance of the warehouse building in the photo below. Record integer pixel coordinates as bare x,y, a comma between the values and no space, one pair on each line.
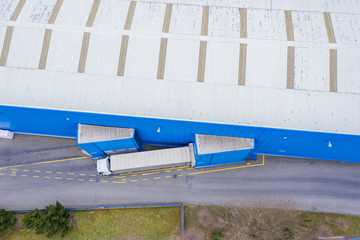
233,78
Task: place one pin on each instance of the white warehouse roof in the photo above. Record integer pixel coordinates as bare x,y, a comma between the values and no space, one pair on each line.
274,63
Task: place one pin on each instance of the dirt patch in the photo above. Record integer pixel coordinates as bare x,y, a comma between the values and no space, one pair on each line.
174,237
194,234
324,231
206,218
129,237
18,216
342,224
72,219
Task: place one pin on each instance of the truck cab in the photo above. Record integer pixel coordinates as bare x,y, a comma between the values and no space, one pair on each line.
103,166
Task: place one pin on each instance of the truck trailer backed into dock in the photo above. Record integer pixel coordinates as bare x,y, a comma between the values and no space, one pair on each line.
148,160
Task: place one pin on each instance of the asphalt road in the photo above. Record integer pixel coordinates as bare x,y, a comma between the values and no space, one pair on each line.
314,185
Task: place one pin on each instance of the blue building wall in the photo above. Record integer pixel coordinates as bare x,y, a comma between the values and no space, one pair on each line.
97,149
93,150
229,157
267,140
219,158
212,159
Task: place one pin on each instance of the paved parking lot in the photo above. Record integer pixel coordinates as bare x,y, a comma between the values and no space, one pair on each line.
55,169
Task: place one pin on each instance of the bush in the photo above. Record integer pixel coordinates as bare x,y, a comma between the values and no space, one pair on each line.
53,220
7,220
33,220
289,234
217,235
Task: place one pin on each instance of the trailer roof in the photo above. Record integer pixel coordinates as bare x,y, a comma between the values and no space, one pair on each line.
94,133
280,63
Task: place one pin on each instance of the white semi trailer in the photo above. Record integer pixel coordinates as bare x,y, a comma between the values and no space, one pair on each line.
148,160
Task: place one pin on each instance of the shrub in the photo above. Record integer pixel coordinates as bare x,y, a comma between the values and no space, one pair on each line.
289,234
33,220
217,235
55,219
7,220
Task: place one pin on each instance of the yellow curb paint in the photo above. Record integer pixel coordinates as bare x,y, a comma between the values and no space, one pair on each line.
38,163
70,173
37,171
104,181
82,174
156,177
225,169
117,182
35,176
91,180
46,177
59,172
48,171
24,175
167,176
69,179
58,178
133,180
81,179
183,167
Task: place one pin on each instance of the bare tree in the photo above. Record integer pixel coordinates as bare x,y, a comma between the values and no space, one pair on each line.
262,219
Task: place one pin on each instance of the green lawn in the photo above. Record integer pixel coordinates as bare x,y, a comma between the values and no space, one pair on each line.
165,223
136,223
340,225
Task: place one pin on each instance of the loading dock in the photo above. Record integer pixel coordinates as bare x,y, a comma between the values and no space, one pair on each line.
100,141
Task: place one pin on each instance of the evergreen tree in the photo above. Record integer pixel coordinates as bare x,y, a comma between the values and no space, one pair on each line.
7,220
50,221
33,220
